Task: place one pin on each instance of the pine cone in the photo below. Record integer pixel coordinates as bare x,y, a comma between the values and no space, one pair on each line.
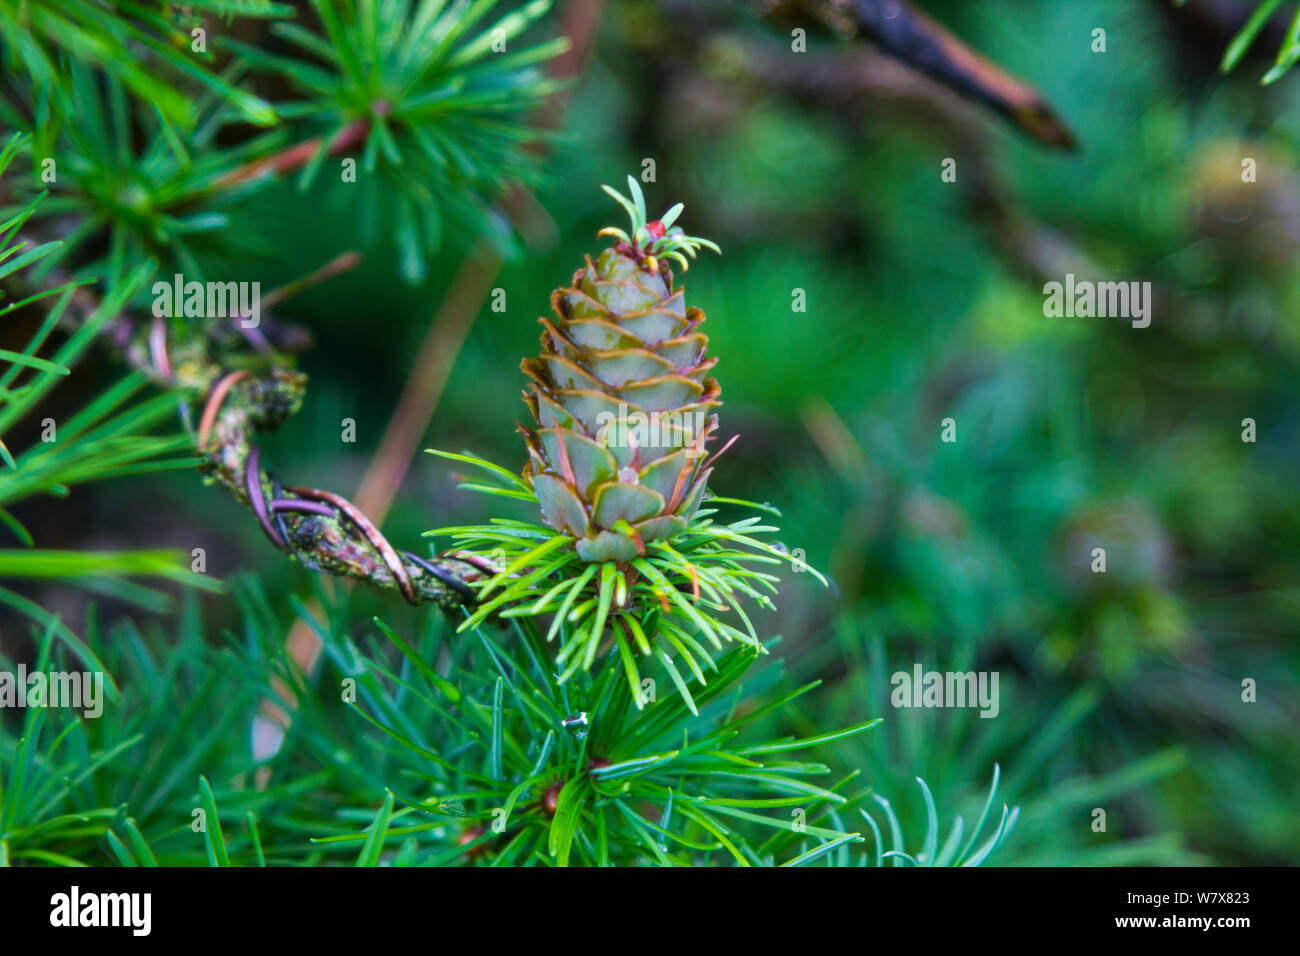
620,395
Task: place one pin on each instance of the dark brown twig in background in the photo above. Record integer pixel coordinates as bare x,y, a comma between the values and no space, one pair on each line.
911,36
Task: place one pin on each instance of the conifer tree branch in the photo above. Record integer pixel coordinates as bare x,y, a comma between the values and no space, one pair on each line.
322,530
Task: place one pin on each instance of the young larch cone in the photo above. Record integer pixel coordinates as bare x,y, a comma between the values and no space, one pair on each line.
621,397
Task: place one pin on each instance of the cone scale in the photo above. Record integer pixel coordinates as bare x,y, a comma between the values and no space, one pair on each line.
621,396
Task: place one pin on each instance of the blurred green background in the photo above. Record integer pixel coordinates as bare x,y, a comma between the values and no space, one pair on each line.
924,301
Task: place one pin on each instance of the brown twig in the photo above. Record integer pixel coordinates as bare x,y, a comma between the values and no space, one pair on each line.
925,45
339,539
243,402
298,155
340,264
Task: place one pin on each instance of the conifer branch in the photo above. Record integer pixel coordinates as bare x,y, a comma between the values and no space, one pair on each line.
249,394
